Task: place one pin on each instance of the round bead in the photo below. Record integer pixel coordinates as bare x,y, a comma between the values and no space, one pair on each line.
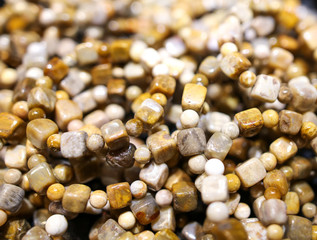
12,176
35,159
242,211
197,164
142,155
233,182
8,77
126,220
309,210
164,198
34,72
75,125
55,192
231,129
308,130
214,167
228,48
56,225
230,166
146,235
160,98
100,94
95,142
44,81
54,142
134,127
115,111
247,79
200,79
270,118
189,118
98,199
217,212
288,172
35,113
133,92
138,189
269,161
21,109
272,192
63,173
275,232
61,94
3,217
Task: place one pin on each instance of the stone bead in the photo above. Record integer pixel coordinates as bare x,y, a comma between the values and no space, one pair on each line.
134,127
229,229
214,188
138,189
63,173
86,53
42,97
196,164
273,211
119,195
184,196
56,69
6,97
110,230
249,121
55,192
283,149
75,198
217,212
275,231
145,235
95,142
304,191
98,199
101,74
19,109
234,64
126,220
61,94
308,130
165,220
210,67
142,155
22,89
66,111
291,200
272,192
36,232
269,161
218,146
73,144
154,175
233,182
149,112
298,228
304,94
193,97
14,229
189,119
15,157
176,175
247,79
38,131
115,134
35,159
280,58
12,128
126,236
119,50
254,228
270,118
266,88
309,210
192,231
215,121
191,141
301,167
57,208
41,177
162,146
96,118
251,172
85,101
163,84
277,179
56,225
285,95
13,176
166,234
11,197
72,84
290,122
36,113
116,87
122,157
145,209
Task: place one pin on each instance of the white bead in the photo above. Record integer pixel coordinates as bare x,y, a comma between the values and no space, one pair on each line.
138,189
115,111
100,93
189,118
160,69
217,211
136,50
243,211
85,77
34,73
197,164
164,198
214,167
126,220
150,57
228,48
56,225
231,129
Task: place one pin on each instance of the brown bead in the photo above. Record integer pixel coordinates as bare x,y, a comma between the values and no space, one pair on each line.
54,142
41,97
200,79
103,50
272,192
12,128
308,130
116,87
36,113
122,157
163,84
20,109
184,196
66,111
304,191
193,97
22,89
176,175
115,134
290,122
285,94
288,172
134,127
240,147
291,200
230,166
63,173
44,81
277,179
76,197
56,69
234,64
35,159
298,228
119,50
101,74
247,79
159,98
41,176
229,229
250,122
119,195
301,167
166,234
61,94
283,149
270,118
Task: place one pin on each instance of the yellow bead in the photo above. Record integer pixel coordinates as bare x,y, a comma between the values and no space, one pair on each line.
270,118
55,192
233,182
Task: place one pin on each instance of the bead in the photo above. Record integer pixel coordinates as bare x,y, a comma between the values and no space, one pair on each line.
73,144
41,176
197,163
214,167
233,182
95,142
247,79
98,199
11,127
291,200
142,155
218,146
166,220
110,230
75,198
184,196
56,225
268,160
119,195
228,48
41,97
134,127
164,198
122,157
273,211
308,130
249,121
200,79
283,149
290,122
309,210
15,157
191,141
56,69
230,129
61,94
272,192
55,192
126,220
115,134
11,197
154,175
214,188
229,229
277,179
138,189
36,113
242,211
193,97
275,232
63,173
234,64
21,109
12,176
270,118
298,228
86,53
217,212
3,217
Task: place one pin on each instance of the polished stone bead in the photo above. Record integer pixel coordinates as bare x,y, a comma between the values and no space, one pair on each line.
210,67
115,134
72,83
154,175
229,229
119,50
273,211
184,196
266,88
290,122
304,191
214,188
12,128
16,157
145,209
122,157
116,87
166,220
192,231
298,228
150,113
251,172
162,146
101,74
38,131
283,149
126,236
11,197
240,147
301,167
291,200
14,229
22,89
218,146
42,97
193,97
280,58
41,177
36,233
119,195
73,144
163,84
276,178
76,197
86,53
191,141
254,229
85,101
166,234
176,175
56,69
110,230
65,111
250,122
234,64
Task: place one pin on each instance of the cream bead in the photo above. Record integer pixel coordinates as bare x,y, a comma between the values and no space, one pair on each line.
126,220
197,164
242,211
164,198
189,119
3,217
114,111
214,167
231,129
138,189
217,212
56,225
228,48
